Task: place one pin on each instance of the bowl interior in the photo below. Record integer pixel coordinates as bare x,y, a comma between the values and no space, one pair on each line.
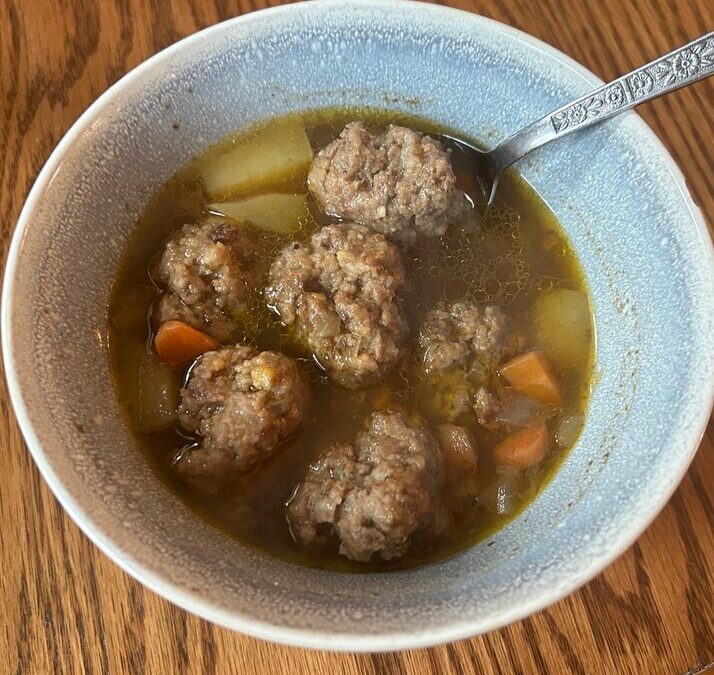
644,250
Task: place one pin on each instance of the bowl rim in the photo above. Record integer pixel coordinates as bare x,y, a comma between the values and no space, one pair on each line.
192,602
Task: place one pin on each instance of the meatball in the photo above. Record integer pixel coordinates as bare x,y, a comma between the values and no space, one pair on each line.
399,183
454,334
242,404
203,270
375,495
461,346
340,293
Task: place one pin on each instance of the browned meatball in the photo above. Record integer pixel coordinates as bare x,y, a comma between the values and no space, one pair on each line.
203,270
340,293
242,404
454,334
461,346
375,495
399,183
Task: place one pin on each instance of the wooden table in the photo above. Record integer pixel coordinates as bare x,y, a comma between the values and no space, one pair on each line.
66,608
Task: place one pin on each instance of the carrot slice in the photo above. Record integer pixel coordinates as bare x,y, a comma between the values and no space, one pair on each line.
524,448
530,374
176,342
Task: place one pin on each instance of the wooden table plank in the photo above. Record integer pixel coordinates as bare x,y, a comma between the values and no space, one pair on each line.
67,608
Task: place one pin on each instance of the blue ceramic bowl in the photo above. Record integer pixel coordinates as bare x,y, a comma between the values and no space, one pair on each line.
621,199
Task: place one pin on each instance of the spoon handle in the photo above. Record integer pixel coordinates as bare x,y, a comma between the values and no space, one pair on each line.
692,62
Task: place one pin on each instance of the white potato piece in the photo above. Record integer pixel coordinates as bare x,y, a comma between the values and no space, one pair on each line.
562,323
274,212
277,153
154,388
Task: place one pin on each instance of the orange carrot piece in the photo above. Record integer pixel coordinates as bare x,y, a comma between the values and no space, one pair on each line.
530,374
524,448
176,342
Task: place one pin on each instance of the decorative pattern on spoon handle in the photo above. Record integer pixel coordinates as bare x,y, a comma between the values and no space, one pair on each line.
683,66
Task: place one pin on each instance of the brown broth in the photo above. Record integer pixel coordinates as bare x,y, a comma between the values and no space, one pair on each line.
515,252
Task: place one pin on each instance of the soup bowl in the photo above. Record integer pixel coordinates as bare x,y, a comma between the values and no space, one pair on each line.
642,243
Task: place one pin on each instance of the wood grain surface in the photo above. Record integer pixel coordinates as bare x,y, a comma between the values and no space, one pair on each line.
65,608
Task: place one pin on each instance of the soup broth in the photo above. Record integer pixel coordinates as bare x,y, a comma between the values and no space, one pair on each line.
512,255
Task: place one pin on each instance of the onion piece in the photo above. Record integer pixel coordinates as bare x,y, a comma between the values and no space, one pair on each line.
458,447
568,429
518,412
503,498
326,324
506,498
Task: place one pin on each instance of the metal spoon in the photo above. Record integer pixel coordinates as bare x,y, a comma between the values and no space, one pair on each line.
692,62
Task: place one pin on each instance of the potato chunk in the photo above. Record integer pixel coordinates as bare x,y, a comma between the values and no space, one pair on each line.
277,153
273,212
563,327
157,386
